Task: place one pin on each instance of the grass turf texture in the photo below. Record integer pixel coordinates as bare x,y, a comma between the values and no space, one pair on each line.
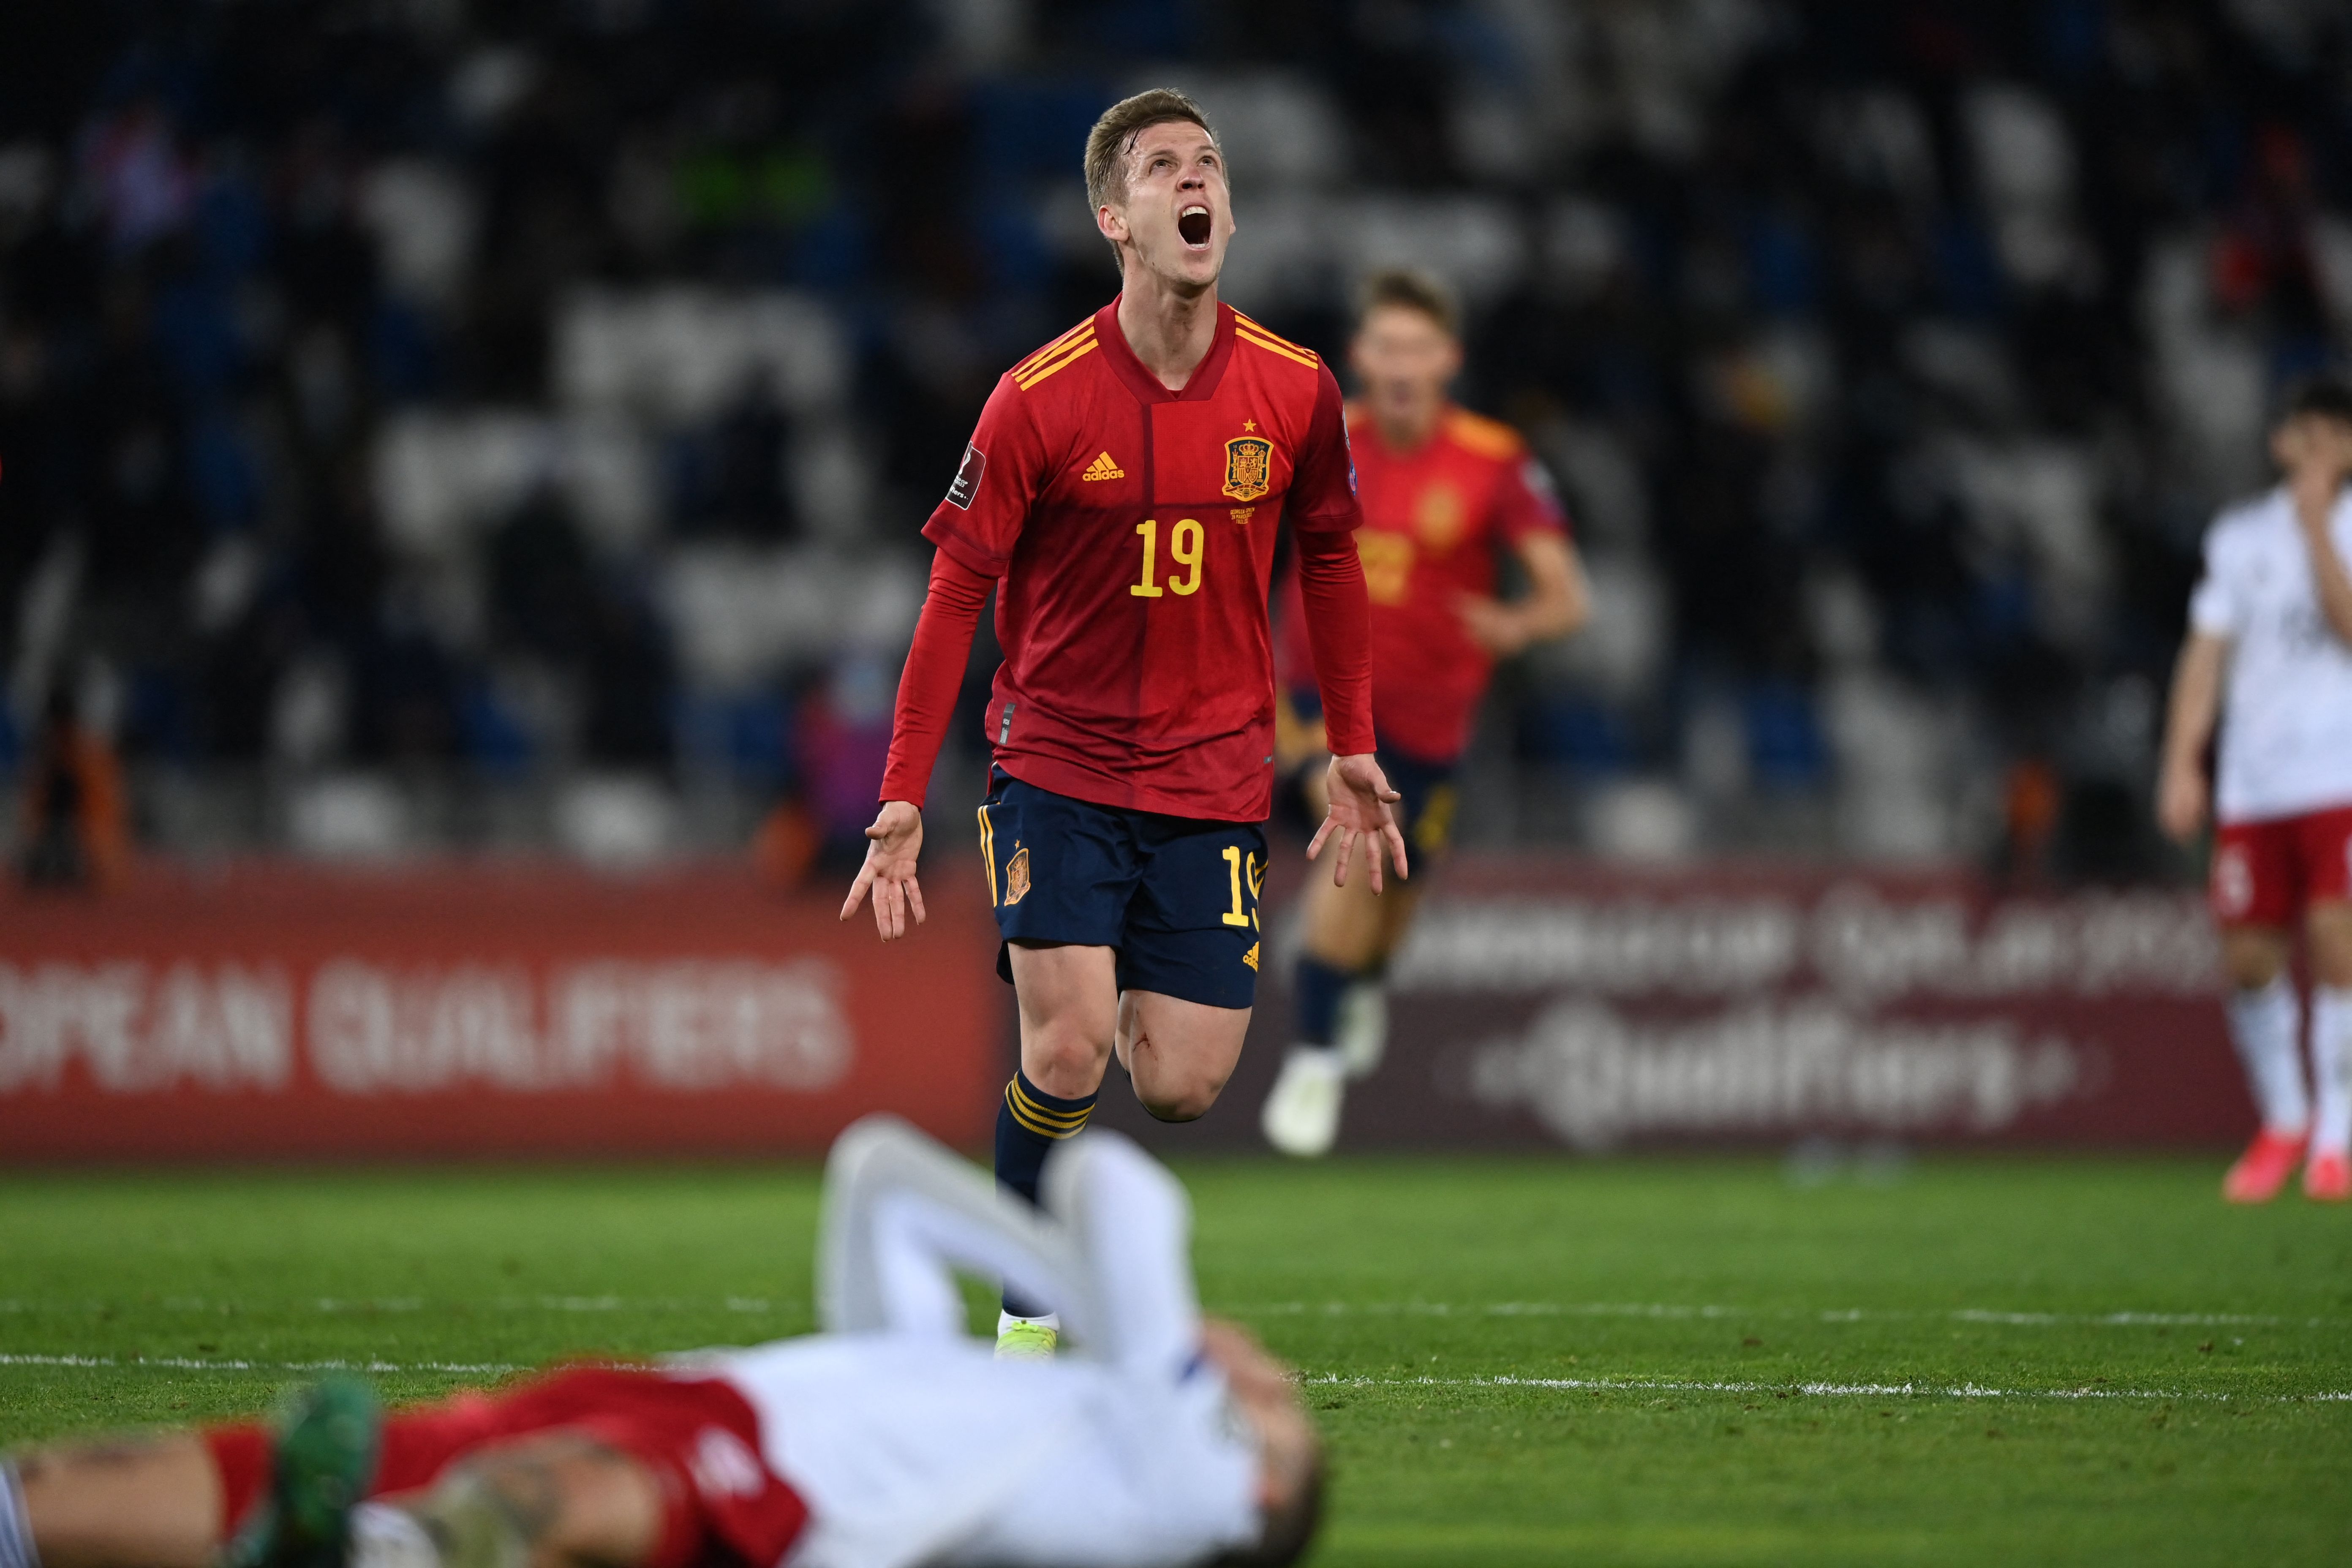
1711,1357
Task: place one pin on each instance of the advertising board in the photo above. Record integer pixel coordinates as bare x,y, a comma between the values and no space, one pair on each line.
1546,1002
276,1012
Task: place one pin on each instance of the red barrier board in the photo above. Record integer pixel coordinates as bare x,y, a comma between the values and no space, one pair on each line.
1544,1001
272,1011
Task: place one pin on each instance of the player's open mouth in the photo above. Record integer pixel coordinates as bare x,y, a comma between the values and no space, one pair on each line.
1192,226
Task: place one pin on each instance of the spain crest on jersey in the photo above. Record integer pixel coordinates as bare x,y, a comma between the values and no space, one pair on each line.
1249,467
1016,878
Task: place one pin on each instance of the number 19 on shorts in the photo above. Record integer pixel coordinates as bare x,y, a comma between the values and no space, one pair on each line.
1240,868
1184,542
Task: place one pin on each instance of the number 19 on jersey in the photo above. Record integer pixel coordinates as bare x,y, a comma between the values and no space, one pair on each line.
1184,542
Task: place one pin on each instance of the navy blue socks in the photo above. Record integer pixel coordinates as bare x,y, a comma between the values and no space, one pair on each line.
1320,987
1028,1124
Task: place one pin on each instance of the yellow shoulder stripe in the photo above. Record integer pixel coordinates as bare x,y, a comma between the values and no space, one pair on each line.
1076,352
1276,339
1276,346
1489,438
1047,351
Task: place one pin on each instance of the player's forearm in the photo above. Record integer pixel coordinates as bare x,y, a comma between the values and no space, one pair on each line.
1557,602
1339,635
934,677
2335,585
2196,700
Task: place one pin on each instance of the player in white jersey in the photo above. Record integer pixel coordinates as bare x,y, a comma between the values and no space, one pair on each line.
2269,655
888,1440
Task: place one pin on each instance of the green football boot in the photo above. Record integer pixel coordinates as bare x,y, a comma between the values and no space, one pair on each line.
1026,1339
323,1458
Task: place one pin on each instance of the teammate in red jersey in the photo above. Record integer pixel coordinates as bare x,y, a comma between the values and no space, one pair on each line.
1122,494
1444,492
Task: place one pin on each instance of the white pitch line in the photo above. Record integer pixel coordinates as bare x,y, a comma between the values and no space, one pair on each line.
1827,1390
2129,1320
200,1363
337,1305
1663,1310
1680,1311
1333,1380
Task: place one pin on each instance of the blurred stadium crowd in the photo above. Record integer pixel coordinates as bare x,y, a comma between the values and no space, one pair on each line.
484,422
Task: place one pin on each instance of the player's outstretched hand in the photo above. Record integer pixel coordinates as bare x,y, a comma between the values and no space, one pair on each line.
1361,798
1492,624
896,840
2180,802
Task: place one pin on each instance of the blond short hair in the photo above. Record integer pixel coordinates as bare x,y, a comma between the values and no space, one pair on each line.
1113,138
1410,288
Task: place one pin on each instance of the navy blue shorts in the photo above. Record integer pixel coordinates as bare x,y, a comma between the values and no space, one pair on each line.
1176,899
1425,815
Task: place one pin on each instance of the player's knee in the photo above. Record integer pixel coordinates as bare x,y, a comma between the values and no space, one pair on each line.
2329,939
1177,1098
1176,1107
2249,963
1064,1061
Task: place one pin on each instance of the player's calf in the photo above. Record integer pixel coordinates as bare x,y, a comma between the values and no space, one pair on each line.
1342,1033
135,1502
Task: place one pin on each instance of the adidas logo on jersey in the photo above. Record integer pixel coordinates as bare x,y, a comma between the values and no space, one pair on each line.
1102,468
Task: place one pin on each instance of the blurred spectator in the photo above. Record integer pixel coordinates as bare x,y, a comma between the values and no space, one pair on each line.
2030,808
844,744
482,396
76,832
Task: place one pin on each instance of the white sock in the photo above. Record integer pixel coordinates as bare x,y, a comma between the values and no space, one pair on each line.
386,1537
1005,1320
2264,1024
15,1526
2331,1068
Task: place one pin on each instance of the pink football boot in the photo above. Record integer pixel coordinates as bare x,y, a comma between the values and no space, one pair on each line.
2264,1168
2328,1177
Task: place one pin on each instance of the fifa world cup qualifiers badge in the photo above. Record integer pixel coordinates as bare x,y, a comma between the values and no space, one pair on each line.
967,480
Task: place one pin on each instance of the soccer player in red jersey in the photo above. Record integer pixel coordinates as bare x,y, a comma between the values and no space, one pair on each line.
1121,494
1444,492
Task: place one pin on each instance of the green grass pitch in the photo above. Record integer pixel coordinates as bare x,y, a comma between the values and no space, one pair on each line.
1650,1361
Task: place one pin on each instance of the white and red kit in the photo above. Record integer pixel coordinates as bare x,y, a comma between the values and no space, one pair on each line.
2283,789
894,1438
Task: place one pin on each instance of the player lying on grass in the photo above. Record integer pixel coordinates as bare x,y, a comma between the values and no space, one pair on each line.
1121,495
1443,493
889,1439
2273,618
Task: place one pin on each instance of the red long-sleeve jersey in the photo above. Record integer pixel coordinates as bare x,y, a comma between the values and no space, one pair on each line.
1434,519
1130,531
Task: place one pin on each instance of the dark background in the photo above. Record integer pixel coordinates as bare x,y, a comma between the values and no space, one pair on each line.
431,424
